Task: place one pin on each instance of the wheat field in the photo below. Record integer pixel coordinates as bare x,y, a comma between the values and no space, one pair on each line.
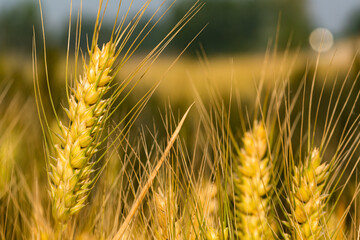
110,142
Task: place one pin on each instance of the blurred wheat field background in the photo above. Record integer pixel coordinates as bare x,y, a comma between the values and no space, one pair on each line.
178,120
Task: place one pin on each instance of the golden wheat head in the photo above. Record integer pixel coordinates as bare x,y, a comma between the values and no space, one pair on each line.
252,185
70,174
307,198
166,215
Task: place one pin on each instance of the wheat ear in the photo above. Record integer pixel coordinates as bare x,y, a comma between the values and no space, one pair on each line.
70,175
209,205
252,185
166,215
307,198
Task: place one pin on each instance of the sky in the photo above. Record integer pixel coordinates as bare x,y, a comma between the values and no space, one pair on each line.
331,14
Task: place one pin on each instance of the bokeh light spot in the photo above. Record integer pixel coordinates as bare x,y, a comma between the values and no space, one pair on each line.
321,40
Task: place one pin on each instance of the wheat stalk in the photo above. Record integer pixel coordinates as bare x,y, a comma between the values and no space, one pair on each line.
307,198
151,178
70,174
252,185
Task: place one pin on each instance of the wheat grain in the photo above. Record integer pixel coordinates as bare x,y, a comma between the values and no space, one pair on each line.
70,174
209,203
213,234
208,195
307,199
252,185
166,215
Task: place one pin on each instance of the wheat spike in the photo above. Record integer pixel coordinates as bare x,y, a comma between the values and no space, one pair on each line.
210,208
166,215
7,160
209,203
252,185
307,199
70,174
